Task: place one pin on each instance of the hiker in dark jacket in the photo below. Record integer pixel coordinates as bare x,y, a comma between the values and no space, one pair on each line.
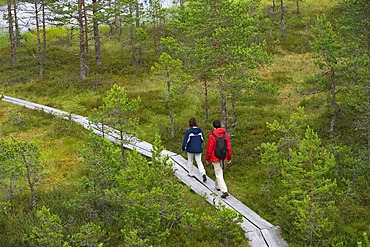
192,144
216,162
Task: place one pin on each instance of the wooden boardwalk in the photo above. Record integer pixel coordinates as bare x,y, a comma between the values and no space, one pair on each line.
259,232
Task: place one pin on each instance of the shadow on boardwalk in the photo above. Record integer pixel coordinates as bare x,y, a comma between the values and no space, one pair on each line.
259,232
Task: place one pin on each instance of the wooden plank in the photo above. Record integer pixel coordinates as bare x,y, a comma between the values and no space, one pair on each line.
35,106
248,227
194,185
170,154
181,161
248,213
256,239
272,237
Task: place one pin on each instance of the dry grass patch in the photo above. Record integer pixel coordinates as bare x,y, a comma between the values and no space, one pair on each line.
296,68
289,71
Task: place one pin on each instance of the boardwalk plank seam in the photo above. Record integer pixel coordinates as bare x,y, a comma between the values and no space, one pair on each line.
259,232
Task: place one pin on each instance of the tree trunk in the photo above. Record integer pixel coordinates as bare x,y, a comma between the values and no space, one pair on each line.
17,32
154,16
39,48
11,34
139,52
86,26
98,59
368,118
223,102
368,99
137,14
44,29
170,113
297,5
234,118
132,46
132,38
82,55
109,22
122,147
31,183
282,19
206,107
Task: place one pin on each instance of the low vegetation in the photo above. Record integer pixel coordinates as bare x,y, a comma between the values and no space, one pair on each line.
281,142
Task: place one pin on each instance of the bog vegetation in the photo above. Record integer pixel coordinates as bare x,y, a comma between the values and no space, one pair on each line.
289,80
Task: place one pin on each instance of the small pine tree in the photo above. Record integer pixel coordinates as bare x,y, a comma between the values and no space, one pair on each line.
48,230
117,112
308,202
170,71
90,235
22,161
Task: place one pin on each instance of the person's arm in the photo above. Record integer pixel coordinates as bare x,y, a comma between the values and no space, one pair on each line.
185,141
209,148
229,151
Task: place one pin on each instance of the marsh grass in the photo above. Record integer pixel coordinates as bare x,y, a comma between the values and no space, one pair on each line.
57,138
284,89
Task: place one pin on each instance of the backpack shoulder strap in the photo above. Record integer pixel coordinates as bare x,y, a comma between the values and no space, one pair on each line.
223,136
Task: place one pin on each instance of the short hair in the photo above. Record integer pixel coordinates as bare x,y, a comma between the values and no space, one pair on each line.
192,122
216,124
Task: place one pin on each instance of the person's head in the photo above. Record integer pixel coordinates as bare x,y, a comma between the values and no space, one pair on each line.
192,122
216,124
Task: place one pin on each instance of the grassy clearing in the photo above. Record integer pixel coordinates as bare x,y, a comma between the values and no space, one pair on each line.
289,72
57,138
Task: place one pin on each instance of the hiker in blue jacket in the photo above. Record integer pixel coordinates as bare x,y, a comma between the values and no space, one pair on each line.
192,144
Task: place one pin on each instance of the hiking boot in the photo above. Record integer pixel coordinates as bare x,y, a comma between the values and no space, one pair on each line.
204,178
224,195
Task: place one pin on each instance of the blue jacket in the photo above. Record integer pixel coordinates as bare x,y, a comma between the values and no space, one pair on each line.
193,140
